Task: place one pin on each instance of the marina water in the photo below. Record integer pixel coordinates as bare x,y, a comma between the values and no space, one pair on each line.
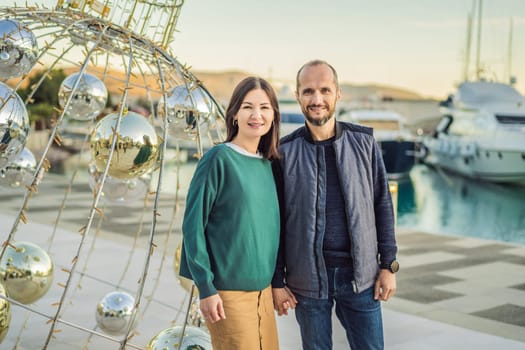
433,200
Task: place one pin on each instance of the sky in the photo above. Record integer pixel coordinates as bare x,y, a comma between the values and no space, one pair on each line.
413,44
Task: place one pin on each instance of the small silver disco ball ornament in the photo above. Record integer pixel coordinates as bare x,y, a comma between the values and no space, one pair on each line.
18,49
194,339
185,108
137,146
14,125
118,191
114,312
20,171
5,314
88,99
26,271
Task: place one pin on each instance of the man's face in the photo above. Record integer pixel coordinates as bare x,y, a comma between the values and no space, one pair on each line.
317,94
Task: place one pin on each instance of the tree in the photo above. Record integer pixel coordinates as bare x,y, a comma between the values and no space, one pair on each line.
45,97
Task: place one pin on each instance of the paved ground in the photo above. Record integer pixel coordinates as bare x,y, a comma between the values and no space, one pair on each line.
453,292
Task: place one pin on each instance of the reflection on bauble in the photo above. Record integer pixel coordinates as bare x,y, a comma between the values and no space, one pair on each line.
185,107
14,125
18,49
20,171
26,271
119,191
88,99
194,339
114,312
136,149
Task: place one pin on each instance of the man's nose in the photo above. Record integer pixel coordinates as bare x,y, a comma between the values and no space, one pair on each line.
317,98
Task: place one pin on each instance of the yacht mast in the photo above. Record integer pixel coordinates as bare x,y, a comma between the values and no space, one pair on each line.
478,69
509,55
468,44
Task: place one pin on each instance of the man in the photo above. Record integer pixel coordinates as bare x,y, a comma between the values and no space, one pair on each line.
337,221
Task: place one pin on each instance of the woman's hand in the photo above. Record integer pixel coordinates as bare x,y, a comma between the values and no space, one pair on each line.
212,309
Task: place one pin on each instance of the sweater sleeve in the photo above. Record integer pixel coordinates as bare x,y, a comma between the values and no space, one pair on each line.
384,211
199,204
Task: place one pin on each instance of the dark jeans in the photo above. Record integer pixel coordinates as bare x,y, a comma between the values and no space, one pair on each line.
359,314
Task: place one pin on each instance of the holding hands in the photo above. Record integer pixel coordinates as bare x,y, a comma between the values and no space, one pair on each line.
283,299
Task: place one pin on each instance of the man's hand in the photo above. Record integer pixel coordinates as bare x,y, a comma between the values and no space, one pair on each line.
212,309
283,299
385,286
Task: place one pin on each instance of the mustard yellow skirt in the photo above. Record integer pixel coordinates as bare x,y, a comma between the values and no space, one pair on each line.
249,324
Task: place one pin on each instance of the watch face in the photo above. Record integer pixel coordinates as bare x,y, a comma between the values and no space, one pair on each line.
394,266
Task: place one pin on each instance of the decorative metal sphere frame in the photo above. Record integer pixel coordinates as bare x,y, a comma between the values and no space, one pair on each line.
129,153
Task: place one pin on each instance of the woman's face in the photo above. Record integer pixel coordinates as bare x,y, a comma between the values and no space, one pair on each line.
255,116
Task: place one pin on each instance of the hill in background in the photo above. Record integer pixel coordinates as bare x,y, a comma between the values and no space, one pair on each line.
221,85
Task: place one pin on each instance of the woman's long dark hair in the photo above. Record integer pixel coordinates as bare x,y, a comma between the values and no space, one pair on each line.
269,143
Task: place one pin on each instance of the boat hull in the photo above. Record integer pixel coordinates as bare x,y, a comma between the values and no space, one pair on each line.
502,166
398,156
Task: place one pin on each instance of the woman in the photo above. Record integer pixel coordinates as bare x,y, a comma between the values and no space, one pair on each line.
231,223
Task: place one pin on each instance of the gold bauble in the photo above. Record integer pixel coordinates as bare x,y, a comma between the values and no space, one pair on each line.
5,314
26,272
136,149
184,282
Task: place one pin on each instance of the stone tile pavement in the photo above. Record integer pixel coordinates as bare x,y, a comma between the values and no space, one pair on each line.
453,292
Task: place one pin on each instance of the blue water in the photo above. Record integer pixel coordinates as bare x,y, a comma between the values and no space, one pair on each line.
440,202
436,201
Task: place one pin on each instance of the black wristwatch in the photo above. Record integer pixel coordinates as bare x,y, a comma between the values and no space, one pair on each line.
393,266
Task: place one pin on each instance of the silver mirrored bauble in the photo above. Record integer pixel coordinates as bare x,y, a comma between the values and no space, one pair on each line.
5,314
118,191
186,107
18,49
114,312
14,125
194,339
26,272
89,98
20,171
137,146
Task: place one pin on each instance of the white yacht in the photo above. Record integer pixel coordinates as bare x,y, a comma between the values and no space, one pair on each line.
398,146
292,117
481,134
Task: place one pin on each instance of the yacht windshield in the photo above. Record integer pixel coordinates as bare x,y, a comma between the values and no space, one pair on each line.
475,93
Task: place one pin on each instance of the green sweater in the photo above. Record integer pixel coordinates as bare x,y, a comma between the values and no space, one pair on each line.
231,223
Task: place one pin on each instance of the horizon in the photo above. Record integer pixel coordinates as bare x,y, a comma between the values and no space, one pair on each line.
415,45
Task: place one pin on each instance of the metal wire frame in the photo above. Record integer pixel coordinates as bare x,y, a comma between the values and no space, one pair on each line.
139,53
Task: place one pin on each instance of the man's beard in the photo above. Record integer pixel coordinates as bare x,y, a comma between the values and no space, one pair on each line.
318,122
